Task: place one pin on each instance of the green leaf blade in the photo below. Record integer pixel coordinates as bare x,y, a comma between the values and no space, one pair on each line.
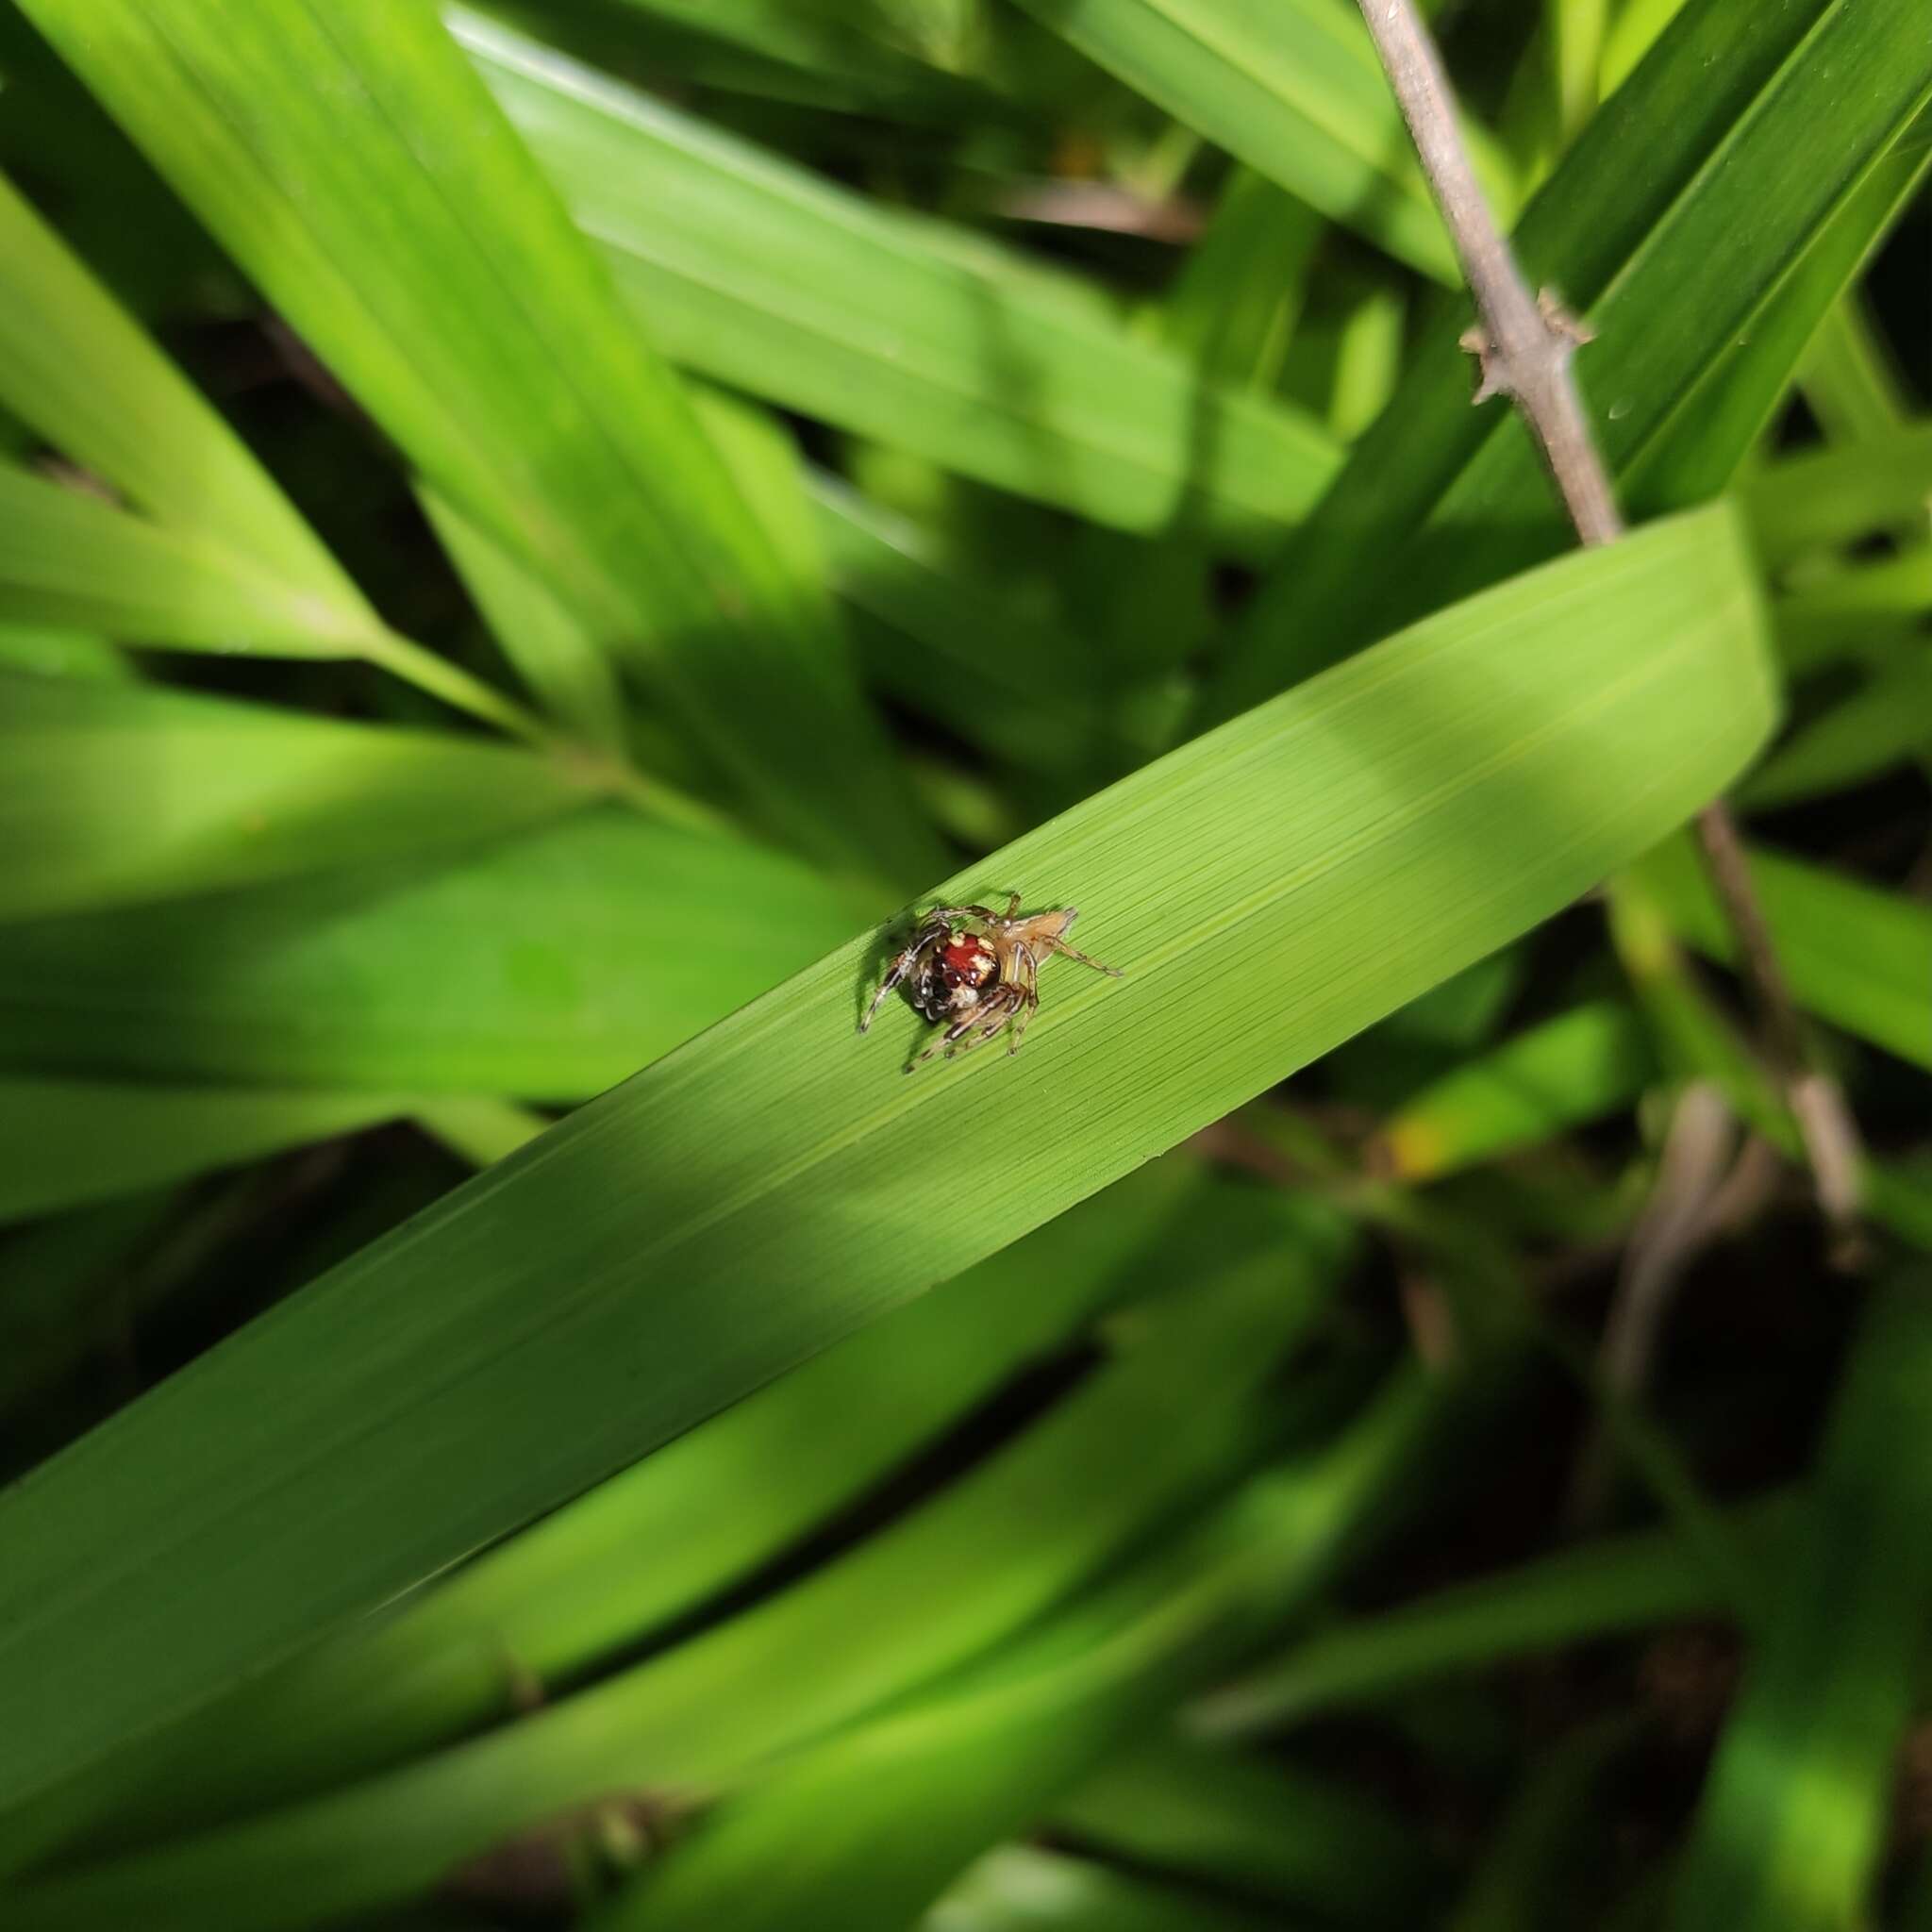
546,965
758,275
1668,262
77,367
1855,956
748,1200
64,1144
1292,90
1797,1807
68,560
113,793
345,155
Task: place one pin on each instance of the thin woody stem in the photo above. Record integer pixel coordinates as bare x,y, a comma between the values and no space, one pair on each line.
1525,344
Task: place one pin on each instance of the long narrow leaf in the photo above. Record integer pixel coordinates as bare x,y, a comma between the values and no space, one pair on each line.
1237,1822
1795,1815
69,559
750,271
1562,1073
1756,124
350,160
75,365
548,965
1292,88
1270,890
1024,688
1885,720
622,1563
66,1142
1697,452
1599,1590
112,792
1823,497
560,661
1031,1527
1855,956
1021,1888
896,1808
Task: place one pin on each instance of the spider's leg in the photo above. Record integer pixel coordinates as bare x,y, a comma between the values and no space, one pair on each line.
1012,905
930,929
1020,1020
1023,982
898,970
948,913
987,1017
1011,1001
1074,953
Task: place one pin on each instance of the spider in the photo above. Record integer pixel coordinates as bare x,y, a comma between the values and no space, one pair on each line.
975,980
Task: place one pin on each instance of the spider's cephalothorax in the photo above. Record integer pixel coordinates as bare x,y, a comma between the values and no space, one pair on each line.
951,977
972,970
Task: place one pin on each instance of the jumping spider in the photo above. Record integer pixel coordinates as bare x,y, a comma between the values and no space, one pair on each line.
972,970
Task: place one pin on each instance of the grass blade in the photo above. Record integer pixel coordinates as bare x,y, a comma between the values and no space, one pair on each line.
654,1542
1021,1888
1750,152
1294,89
744,1203
66,1142
1697,453
75,365
1548,1849
547,965
1825,497
1885,720
558,659
311,138
47,653
1028,1528
898,1807
754,273
1568,1070
69,559
1625,1583
1798,1803
1024,688
119,792
1855,956
1235,300
1244,1824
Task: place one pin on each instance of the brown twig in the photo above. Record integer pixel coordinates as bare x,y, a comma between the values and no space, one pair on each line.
1525,344
1704,1184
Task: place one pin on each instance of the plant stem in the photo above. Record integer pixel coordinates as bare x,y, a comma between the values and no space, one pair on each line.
455,686
1525,344
599,771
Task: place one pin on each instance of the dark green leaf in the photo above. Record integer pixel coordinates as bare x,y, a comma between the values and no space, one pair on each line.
750,271
1754,132
345,155
1797,1809
549,965
113,792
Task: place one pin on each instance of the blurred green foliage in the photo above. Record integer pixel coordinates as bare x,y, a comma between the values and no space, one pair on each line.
532,534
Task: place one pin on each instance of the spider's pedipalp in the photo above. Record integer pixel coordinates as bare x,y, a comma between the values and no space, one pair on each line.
980,1024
